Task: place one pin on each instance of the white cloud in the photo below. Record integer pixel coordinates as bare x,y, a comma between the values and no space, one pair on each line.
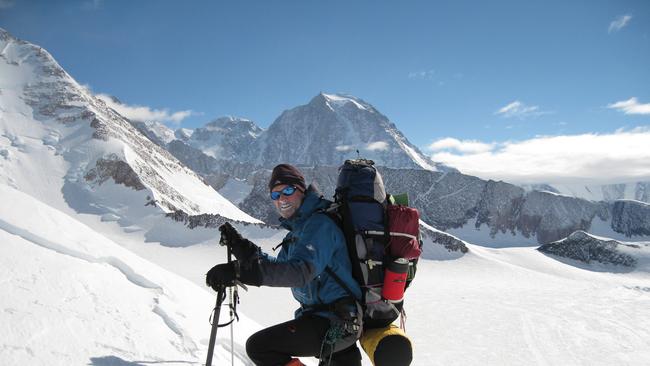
92,4
143,113
465,146
421,75
343,148
520,110
618,157
377,146
631,106
618,23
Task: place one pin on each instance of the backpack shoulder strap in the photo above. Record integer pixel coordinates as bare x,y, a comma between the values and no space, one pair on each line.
340,282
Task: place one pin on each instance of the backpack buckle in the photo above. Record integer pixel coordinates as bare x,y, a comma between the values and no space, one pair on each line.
371,263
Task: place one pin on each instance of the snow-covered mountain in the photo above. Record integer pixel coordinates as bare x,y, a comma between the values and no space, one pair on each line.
227,138
638,191
330,129
156,132
324,132
235,156
51,128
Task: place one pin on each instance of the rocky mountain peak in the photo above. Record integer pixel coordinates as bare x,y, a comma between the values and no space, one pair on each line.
230,124
337,102
330,129
230,138
183,134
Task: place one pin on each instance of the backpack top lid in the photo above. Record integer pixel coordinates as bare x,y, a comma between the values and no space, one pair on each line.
360,180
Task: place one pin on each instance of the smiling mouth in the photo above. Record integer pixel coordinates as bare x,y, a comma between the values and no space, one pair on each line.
285,206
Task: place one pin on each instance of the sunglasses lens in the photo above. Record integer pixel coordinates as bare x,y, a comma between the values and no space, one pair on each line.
287,191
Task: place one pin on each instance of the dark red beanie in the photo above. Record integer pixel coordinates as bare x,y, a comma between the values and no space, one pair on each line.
287,174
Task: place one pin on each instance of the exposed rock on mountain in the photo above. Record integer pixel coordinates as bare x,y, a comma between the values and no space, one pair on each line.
631,218
588,248
449,242
454,200
112,167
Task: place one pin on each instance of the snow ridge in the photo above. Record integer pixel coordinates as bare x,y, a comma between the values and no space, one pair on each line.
40,100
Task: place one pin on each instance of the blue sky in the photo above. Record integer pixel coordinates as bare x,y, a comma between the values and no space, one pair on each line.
474,71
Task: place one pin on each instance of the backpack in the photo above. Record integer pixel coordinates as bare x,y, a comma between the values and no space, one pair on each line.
382,239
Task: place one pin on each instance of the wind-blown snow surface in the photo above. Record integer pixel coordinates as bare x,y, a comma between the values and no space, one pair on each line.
70,296
73,297
517,307
508,306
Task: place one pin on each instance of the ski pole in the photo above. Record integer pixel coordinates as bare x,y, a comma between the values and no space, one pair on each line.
233,304
215,324
221,294
234,299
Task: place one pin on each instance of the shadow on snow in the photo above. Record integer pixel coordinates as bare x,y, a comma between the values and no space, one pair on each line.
116,361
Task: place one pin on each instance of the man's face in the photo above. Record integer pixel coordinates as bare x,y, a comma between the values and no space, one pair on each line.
287,205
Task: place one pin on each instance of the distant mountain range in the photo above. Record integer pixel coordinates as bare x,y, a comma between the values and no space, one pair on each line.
97,150
485,212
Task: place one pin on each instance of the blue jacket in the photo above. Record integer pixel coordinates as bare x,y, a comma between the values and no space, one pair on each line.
313,243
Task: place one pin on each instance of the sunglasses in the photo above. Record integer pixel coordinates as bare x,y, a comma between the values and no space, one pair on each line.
287,191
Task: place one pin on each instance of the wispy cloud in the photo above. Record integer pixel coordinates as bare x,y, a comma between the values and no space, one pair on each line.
92,4
6,4
618,23
421,75
520,110
377,146
464,146
617,157
344,147
144,113
631,106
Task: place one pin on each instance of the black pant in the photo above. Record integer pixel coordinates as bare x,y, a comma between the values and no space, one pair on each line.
302,337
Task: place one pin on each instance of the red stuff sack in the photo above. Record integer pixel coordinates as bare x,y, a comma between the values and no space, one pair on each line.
404,225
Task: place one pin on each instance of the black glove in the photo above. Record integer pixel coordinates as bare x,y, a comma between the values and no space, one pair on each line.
243,249
225,274
221,275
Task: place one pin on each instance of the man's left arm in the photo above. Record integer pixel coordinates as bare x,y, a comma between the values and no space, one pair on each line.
311,254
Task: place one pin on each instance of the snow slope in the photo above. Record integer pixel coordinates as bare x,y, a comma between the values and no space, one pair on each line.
508,306
73,297
516,306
